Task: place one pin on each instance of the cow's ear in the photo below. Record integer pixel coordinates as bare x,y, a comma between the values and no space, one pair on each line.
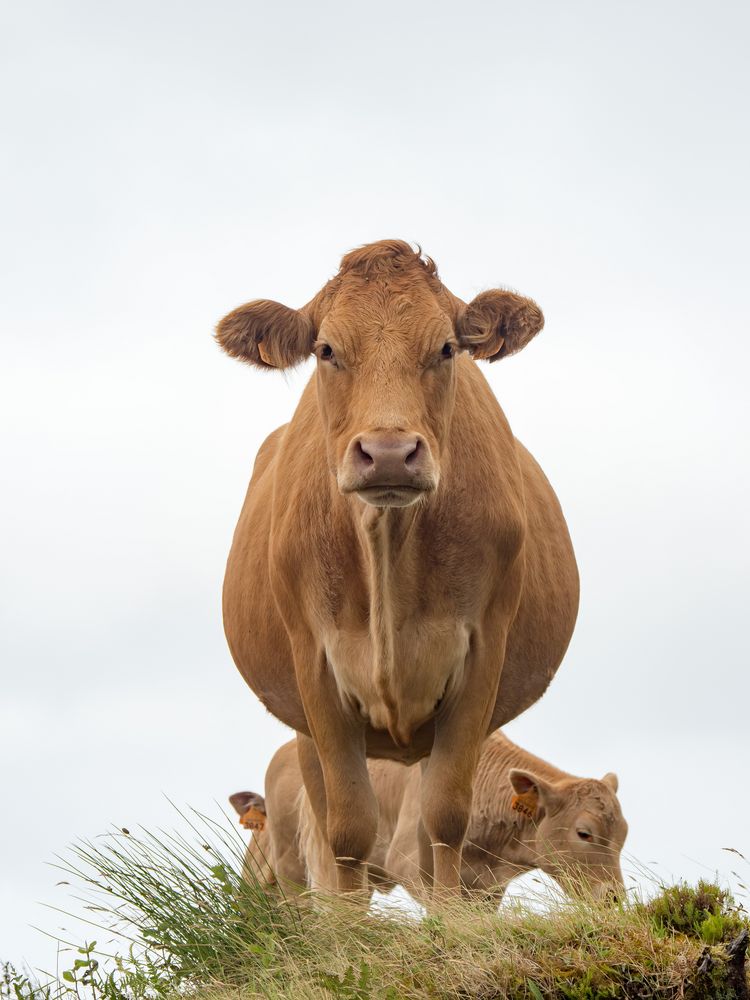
532,793
267,334
611,781
498,323
242,801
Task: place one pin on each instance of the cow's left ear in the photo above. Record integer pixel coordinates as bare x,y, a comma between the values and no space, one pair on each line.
610,780
267,334
498,323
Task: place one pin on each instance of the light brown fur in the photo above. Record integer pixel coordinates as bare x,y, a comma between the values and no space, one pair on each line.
406,622
501,843
273,854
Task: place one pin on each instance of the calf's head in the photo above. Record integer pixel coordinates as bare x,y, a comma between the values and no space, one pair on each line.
580,829
387,336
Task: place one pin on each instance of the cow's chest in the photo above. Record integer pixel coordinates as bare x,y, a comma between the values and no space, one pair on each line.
394,675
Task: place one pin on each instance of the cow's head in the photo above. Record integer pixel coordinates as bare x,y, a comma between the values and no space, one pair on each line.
387,336
580,829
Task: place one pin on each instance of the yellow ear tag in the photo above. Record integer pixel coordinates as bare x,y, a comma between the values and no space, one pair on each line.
525,803
253,819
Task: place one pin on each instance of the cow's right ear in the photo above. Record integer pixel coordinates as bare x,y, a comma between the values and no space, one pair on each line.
266,334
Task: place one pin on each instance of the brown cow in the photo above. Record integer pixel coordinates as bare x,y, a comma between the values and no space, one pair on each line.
526,814
398,551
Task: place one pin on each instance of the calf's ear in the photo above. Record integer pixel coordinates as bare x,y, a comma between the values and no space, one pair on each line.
266,334
251,808
610,779
498,323
242,801
532,793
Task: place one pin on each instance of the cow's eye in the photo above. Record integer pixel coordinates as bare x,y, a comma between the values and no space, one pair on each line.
584,835
447,351
325,353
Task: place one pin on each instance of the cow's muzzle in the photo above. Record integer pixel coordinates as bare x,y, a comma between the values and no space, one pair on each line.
388,469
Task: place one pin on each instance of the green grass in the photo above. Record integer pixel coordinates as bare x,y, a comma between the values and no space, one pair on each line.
188,926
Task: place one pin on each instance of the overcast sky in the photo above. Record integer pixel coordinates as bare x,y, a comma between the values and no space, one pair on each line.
163,163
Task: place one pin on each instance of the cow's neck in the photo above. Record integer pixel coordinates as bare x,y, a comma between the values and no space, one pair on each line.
389,539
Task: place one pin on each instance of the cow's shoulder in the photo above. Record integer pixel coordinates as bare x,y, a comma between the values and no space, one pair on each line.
267,451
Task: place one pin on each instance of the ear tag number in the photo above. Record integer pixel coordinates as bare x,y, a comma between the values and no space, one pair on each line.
525,803
253,819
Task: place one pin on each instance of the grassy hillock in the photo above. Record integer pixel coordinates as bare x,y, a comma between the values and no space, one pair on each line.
187,926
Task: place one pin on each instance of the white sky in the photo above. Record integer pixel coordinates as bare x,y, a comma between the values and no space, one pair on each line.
162,163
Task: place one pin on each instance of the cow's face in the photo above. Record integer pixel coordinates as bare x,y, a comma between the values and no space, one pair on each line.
386,386
387,338
580,829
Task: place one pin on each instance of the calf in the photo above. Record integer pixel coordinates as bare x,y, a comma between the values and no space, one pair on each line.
526,814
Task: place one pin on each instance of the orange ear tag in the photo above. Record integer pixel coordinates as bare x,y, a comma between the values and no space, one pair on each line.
253,819
525,803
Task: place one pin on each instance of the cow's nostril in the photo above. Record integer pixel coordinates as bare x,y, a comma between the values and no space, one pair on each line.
388,459
413,455
364,457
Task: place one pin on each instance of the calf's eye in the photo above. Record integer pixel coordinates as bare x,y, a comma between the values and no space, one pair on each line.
584,835
325,352
447,351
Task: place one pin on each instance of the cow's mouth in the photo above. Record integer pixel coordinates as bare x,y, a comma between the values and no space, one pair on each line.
390,495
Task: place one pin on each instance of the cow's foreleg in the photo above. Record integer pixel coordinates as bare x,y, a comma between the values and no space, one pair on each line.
312,775
446,806
320,870
344,804
352,816
448,778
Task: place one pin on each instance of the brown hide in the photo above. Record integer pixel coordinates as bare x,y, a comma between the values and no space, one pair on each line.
503,842
401,579
273,853
572,828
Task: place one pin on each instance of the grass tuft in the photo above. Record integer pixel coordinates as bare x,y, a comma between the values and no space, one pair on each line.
185,924
706,912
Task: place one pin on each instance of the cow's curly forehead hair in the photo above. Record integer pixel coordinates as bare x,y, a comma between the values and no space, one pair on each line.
386,257
390,275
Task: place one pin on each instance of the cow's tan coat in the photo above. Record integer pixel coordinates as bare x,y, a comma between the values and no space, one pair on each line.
408,624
